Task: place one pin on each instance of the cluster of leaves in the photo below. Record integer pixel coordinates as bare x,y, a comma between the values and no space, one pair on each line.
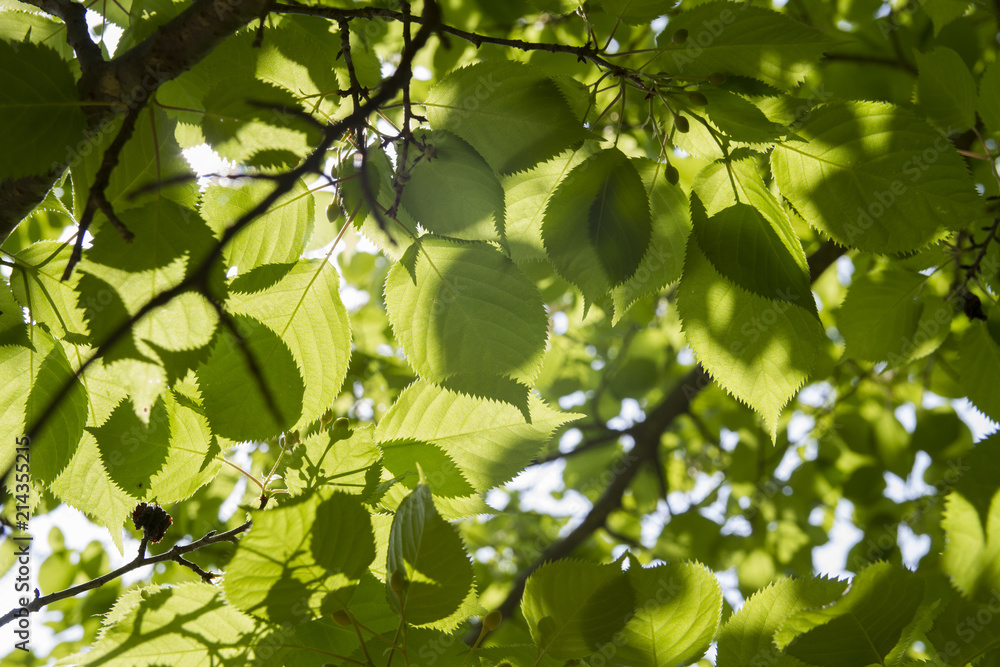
574,196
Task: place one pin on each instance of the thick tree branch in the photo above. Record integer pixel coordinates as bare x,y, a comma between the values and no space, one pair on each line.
74,15
646,449
109,89
141,560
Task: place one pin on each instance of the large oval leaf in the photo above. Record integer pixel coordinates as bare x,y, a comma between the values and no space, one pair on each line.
875,177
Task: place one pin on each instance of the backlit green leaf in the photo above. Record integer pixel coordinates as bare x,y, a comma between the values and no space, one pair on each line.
452,191
573,607
259,363
303,558
740,39
38,96
427,552
761,351
879,316
511,113
465,310
875,177
305,310
597,224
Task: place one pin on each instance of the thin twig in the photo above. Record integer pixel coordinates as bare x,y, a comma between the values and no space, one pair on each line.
141,560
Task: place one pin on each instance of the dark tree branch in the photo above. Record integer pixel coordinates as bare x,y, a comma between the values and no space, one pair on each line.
109,89
97,198
141,560
74,15
646,450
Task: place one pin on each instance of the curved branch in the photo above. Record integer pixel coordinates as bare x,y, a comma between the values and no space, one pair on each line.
141,560
74,15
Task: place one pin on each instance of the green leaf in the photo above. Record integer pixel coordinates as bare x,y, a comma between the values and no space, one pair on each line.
38,96
191,457
345,459
163,232
861,628
527,193
452,191
59,435
85,484
251,387
427,551
133,451
188,623
758,350
946,91
512,114
303,558
465,310
490,442
960,636
391,234
425,460
24,24
151,156
664,258
305,310
573,607
978,365
989,96
278,236
971,557
597,224
741,39
747,637
37,284
720,186
943,12
879,316
247,118
874,177
677,611
744,247
13,329
739,118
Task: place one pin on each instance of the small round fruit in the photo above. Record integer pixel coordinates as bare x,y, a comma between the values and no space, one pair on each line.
672,175
682,124
717,78
680,36
492,620
397,582
341,617
697,98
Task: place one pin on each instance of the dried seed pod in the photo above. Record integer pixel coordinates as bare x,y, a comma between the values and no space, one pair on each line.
153,520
